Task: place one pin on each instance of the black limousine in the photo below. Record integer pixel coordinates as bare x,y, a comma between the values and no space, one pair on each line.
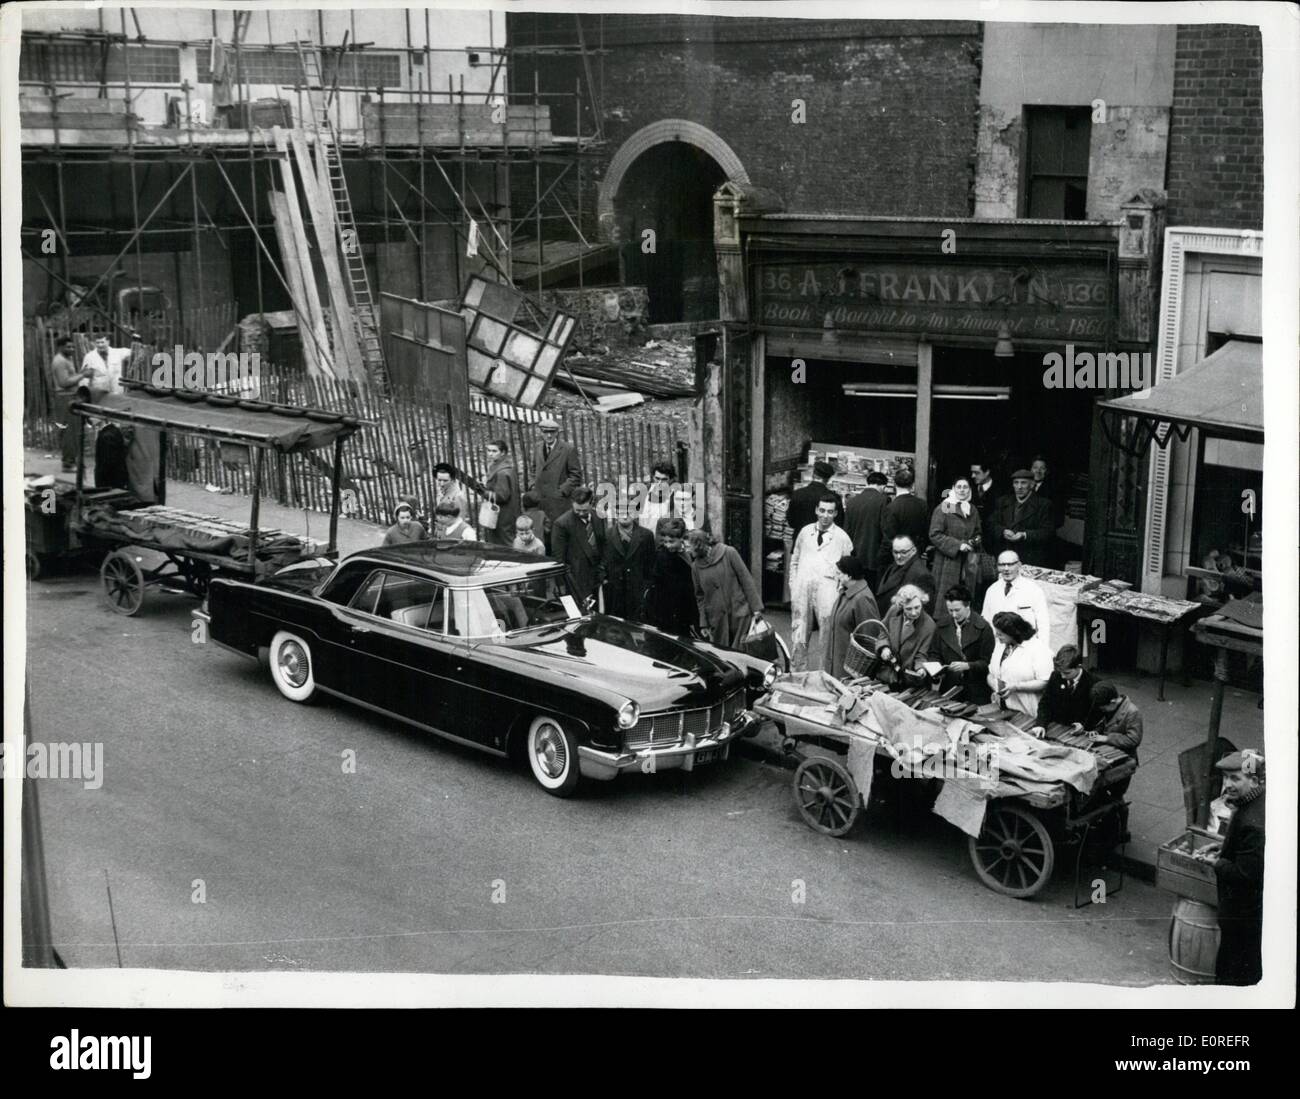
487,646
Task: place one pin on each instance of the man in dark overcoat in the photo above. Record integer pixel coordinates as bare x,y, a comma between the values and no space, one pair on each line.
629,559
578,540
556,470
1239,872
1022,522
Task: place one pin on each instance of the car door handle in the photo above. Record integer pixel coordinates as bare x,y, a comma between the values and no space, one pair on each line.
359,629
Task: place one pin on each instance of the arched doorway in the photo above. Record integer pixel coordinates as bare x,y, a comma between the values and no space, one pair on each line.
663,179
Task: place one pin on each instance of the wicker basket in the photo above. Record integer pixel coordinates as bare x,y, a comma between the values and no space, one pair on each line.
862,658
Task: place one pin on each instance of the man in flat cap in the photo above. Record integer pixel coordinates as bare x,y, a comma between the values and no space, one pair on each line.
1239,871
1022,522
556,471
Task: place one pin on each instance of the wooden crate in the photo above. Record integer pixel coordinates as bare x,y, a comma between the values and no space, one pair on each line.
1178,872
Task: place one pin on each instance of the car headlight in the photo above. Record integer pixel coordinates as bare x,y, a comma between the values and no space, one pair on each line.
769,677
628,714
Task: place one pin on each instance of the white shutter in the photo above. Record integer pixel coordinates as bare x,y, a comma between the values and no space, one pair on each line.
1171,296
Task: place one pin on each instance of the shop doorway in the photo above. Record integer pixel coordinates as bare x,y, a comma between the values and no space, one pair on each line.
1030,420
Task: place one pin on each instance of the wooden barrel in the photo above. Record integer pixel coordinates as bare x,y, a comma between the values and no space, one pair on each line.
1193,942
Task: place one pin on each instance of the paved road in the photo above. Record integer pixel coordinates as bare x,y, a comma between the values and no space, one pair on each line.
209,775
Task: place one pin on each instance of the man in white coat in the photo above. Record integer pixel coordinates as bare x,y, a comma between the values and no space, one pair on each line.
814,582
1013,592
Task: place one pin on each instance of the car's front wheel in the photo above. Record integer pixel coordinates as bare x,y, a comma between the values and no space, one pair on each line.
291,667
553,756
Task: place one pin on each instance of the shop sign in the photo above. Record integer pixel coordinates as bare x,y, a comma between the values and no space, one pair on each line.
1043,301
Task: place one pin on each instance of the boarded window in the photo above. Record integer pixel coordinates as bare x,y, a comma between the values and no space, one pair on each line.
1056,162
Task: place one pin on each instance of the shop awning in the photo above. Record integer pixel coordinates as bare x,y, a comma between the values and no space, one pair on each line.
1223,394
284,428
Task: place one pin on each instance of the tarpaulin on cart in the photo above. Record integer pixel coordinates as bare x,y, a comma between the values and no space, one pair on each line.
284,428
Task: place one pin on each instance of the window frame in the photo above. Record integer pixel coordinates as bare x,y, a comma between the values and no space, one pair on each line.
386,574
1028,175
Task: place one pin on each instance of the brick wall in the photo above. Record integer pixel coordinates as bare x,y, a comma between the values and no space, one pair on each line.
891,107
1216,132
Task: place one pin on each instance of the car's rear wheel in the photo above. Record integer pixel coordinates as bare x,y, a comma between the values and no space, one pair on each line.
553,756
291,667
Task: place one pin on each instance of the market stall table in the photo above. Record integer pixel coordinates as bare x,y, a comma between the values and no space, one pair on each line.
1166,614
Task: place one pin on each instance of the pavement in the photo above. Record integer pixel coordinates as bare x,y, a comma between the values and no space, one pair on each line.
235,834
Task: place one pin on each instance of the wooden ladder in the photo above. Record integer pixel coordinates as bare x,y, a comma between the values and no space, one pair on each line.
364,319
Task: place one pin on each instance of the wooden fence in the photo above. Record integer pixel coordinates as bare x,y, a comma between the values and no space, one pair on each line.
395,457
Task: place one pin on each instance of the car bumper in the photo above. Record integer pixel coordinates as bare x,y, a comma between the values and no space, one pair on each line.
598,764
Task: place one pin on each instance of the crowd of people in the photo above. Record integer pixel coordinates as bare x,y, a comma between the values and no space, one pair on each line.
867,563
646,562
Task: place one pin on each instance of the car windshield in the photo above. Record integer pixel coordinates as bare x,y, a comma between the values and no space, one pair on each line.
499,609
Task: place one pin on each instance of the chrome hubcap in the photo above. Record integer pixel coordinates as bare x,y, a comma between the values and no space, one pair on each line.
293,663
550,752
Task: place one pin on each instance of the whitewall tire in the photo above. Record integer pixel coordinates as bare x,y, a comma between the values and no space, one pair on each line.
553,756
291,667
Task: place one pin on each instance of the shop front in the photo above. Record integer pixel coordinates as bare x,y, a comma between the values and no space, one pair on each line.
938,344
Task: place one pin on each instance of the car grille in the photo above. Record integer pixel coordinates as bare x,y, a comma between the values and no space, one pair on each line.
667,729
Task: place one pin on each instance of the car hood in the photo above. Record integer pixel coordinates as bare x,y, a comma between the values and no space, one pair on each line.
654,669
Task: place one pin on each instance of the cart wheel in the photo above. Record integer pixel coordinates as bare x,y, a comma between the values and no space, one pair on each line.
827,797
123,583
33,566
1013,854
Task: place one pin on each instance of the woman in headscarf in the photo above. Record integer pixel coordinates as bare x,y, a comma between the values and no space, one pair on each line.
727,596
909,630
1021,664
856,604
955,535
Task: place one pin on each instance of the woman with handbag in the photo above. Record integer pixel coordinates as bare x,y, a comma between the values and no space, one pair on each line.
728,598
856,604
500,505
1021,664
957,541
909,630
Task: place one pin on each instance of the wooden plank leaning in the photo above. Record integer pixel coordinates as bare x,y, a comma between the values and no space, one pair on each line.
347,350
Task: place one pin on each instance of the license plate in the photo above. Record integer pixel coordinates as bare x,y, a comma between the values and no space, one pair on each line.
707,755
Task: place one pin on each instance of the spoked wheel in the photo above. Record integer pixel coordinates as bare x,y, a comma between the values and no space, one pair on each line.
123,582
1014,853
553,757
827,797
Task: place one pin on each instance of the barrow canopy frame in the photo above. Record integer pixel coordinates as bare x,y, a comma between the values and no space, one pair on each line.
259,425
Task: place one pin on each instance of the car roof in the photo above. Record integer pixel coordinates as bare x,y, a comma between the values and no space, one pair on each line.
458,562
